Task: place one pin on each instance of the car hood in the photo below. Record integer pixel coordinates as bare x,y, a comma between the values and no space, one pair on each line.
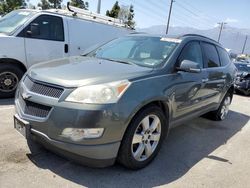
79,71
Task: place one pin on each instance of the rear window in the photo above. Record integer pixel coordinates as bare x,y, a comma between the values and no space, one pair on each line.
212,58
224,56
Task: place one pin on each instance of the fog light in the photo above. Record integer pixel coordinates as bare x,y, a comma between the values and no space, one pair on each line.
76,134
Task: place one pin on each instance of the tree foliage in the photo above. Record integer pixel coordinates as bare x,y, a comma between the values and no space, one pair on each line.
114,12
44,4
80,4
127,16
47,4
55,3
130,22
7,6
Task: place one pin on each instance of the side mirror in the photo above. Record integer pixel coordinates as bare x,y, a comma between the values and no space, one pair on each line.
189,66
34,30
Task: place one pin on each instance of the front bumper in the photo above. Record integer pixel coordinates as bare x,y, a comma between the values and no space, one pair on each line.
93,156
97,152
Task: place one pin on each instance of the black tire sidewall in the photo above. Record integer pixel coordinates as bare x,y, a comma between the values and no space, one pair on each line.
125,154
7,67
218,113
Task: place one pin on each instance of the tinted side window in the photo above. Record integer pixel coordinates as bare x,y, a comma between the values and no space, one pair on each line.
212,58
224,56
192,52
49,27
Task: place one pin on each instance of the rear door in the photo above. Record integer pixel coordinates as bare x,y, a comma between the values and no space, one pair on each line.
216,77
49,42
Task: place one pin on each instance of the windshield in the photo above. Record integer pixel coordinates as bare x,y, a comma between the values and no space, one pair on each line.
143,51
10,22
243,67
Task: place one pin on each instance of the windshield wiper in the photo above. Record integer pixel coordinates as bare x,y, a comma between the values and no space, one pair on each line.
118,61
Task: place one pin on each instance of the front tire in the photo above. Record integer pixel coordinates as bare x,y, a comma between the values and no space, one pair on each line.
143,138
10,75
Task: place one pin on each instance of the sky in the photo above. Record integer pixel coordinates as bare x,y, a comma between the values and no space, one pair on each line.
200,14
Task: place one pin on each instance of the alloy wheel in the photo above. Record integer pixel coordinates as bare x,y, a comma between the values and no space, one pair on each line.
146,138
225,107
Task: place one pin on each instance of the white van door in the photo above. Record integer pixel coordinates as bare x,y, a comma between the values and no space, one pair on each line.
45,39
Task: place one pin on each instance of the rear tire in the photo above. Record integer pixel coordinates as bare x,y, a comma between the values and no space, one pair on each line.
221,113
143,138
10,75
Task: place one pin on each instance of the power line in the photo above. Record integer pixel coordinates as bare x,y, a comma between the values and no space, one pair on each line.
194,14
213,19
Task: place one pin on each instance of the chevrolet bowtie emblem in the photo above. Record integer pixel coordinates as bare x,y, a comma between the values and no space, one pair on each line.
26,96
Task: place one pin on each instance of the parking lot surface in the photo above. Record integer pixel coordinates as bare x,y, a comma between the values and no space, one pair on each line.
200,153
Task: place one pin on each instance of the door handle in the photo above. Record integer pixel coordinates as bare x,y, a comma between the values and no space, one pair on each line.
204,80
66,48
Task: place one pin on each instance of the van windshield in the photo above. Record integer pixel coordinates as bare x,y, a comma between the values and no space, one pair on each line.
141,50
12,21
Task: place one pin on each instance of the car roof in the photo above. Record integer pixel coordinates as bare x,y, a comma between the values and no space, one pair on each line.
182,37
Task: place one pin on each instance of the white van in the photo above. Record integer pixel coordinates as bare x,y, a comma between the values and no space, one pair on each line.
28,37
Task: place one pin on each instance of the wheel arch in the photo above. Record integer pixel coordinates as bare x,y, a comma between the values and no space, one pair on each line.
159,103
15,62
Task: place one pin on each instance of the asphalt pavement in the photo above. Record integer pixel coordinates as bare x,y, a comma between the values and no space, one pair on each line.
200,153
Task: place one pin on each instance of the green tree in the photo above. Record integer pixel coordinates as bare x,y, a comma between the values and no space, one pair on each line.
44,4
80,4
47,4
7,6
130,22
55,3
125,14
114,12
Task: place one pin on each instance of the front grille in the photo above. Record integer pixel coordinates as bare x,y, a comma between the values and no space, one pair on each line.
43,89
34,109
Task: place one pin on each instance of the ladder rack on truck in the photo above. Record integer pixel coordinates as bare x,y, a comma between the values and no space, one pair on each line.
88,15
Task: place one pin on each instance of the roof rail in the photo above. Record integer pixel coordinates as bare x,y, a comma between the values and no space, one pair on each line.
85,14
197,35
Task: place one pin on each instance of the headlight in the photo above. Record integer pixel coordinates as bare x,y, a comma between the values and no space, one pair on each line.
99,94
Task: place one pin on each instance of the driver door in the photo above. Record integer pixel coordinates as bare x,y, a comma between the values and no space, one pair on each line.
189,90
45,39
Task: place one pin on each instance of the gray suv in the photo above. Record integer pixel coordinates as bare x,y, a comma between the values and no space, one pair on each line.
118,102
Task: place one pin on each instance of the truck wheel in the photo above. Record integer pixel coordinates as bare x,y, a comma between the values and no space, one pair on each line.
10,75
143,138
223,110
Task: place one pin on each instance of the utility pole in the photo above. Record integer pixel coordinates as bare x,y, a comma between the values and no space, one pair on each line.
99,7
221,28
169,15
244,46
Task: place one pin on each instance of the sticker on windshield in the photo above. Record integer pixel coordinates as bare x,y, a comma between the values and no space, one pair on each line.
171,40
24,13
248,65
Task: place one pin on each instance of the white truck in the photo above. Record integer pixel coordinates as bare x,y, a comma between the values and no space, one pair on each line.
28,37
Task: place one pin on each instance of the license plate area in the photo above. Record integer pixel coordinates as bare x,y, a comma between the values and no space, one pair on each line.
21,126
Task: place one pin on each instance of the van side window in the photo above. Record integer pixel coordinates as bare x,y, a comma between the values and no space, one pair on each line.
192,52
212,57
46,27
224,56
